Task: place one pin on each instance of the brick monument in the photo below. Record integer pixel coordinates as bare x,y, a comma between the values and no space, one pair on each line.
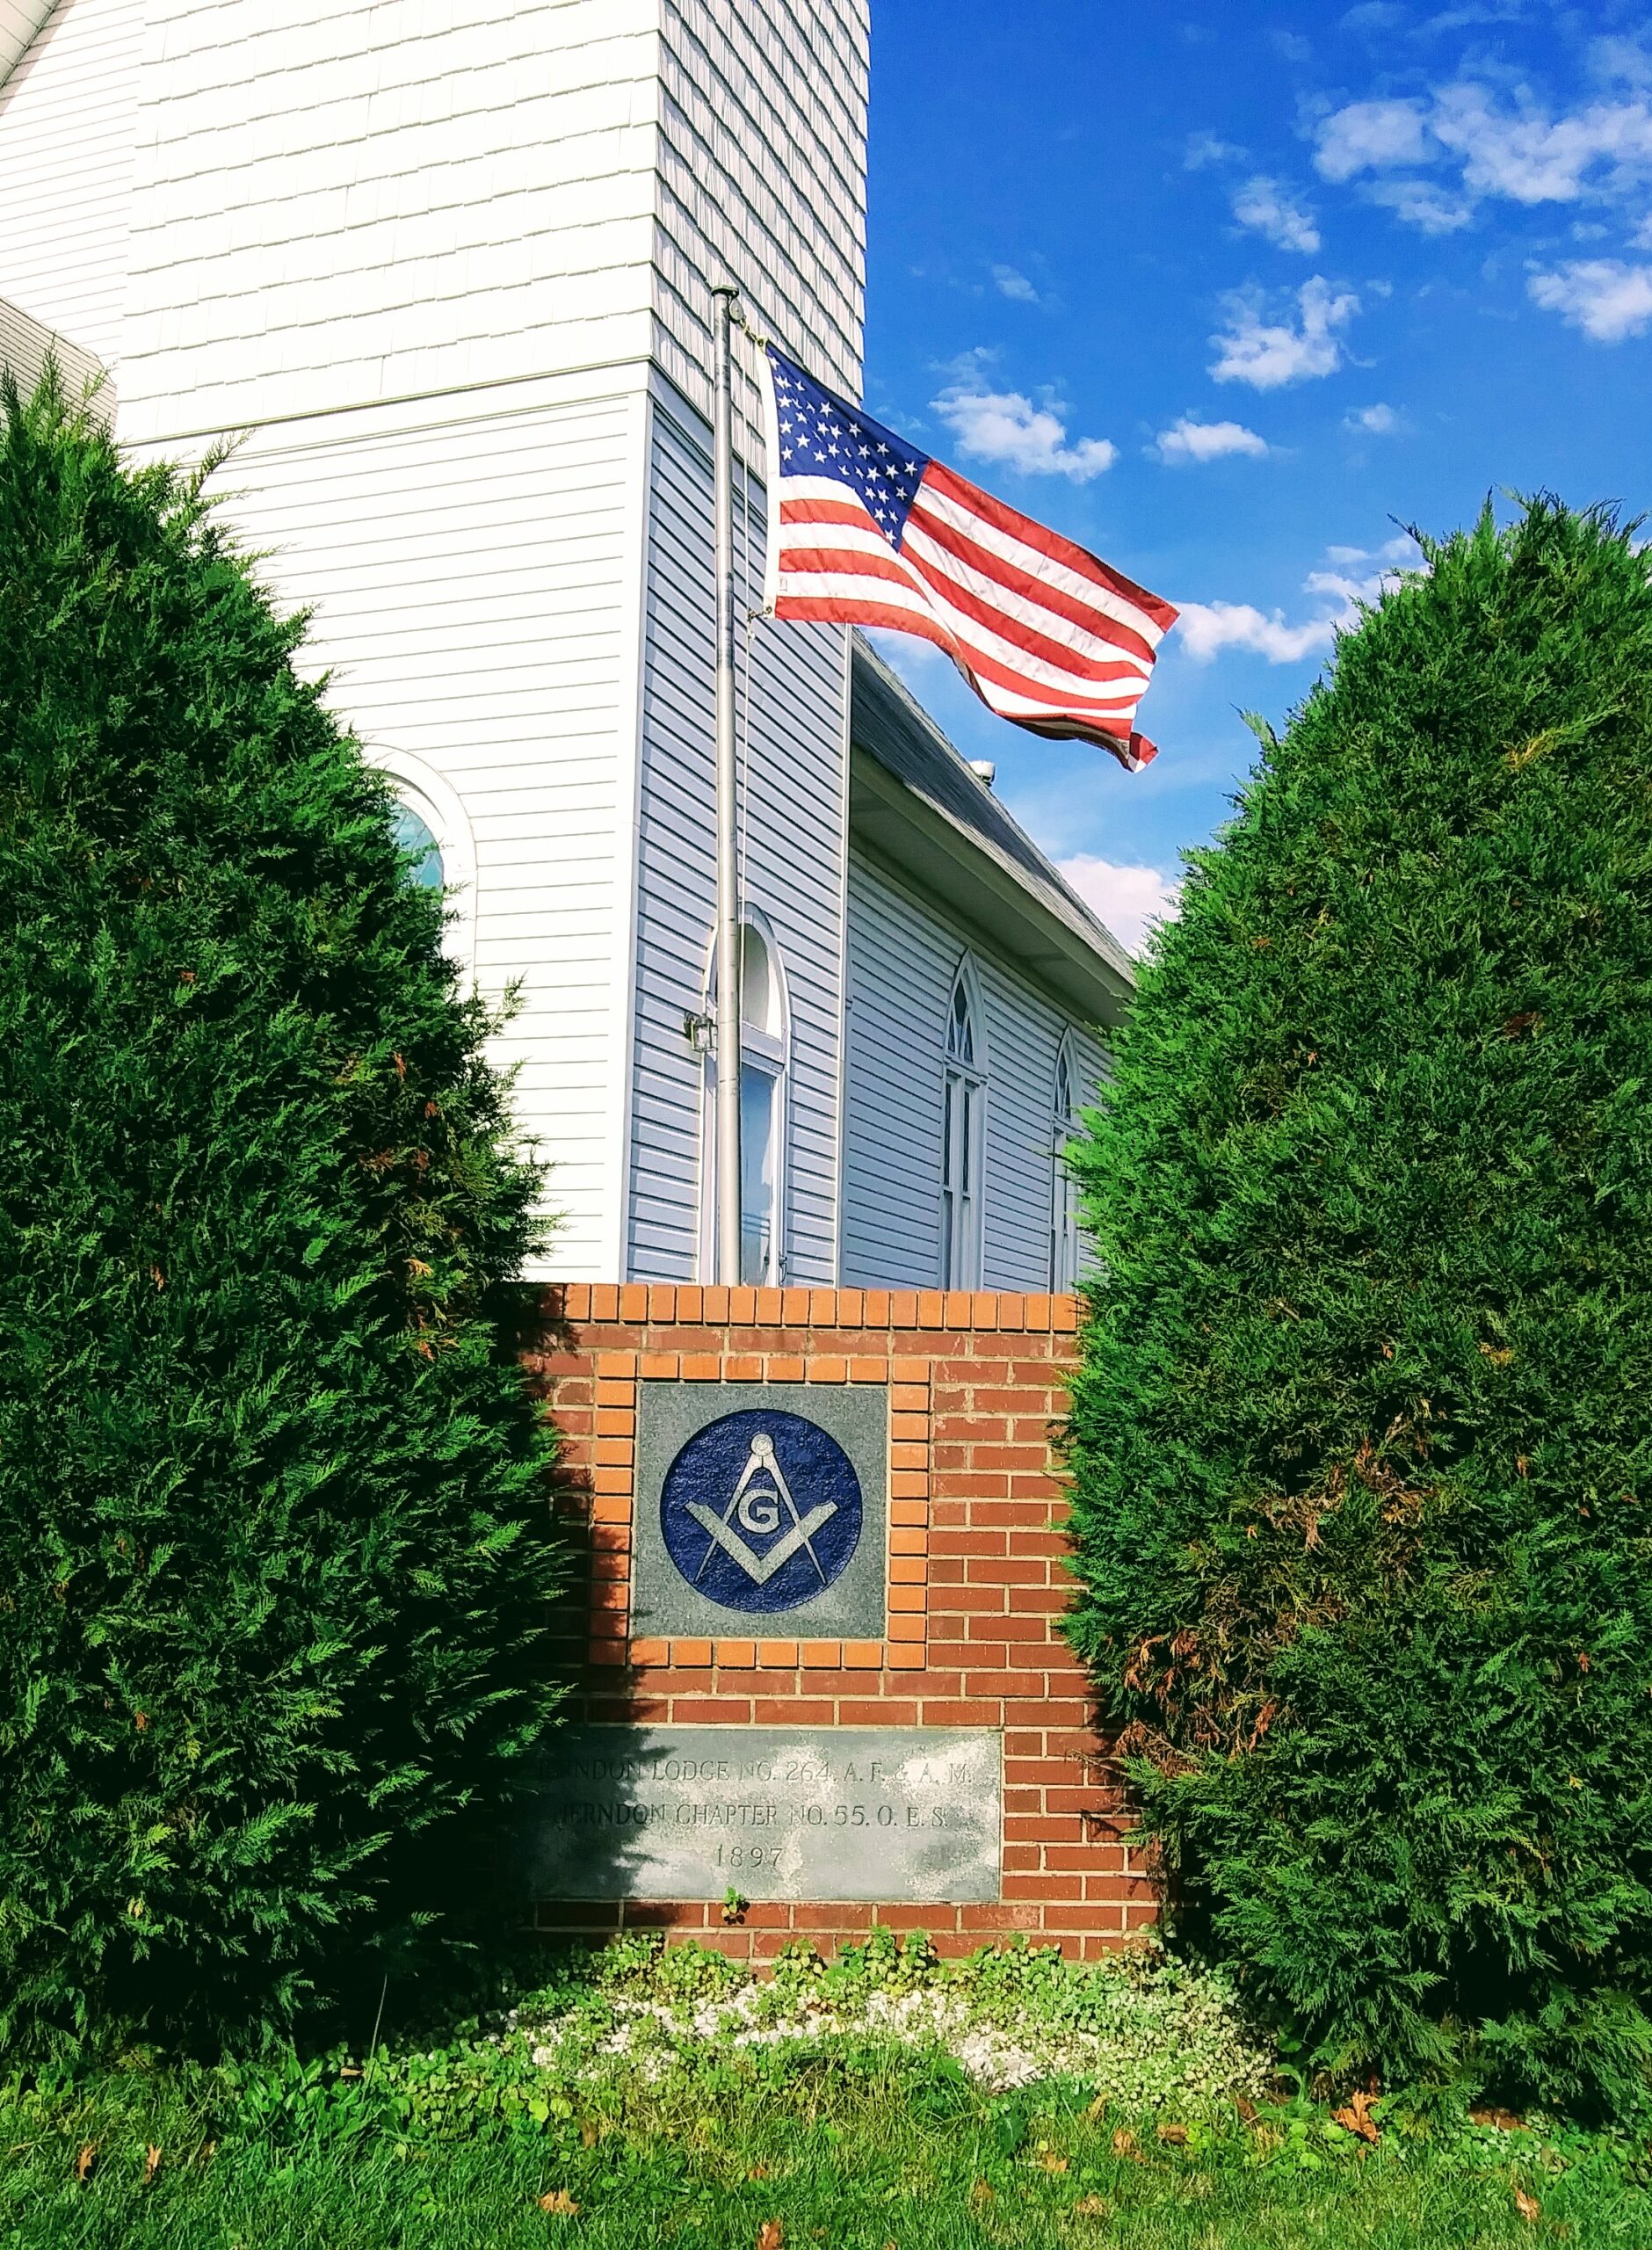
821,1684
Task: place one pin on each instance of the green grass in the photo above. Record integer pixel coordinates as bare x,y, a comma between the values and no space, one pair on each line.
676,2102
896,2154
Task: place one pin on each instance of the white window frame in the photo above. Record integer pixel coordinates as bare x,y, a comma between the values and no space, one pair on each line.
1063,1187
440,807
769,1052
963,1201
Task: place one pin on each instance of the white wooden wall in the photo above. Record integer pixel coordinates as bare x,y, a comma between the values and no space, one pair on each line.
793,725
68,122
903,953
474,585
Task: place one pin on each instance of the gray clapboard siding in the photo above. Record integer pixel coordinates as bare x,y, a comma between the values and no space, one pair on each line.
904,949
794,729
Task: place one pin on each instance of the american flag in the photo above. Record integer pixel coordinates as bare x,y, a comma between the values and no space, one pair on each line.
864,529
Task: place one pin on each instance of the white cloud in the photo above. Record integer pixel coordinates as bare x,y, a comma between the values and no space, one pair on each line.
1188,440
1378,421
1266,354
1206,149
1421,205
1015,284
1129,900
1004,426
1529,158
1393,560
1268,207
1370,136
1605,297
1642,238
1515,151
1205,629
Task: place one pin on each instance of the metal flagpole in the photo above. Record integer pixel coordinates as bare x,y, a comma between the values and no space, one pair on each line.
729,962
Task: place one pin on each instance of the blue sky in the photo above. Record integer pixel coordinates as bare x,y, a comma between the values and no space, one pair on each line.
1234,294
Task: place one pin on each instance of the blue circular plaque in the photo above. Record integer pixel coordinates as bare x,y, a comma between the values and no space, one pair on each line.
761,1510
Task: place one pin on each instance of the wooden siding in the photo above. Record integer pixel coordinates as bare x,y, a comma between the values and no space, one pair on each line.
335,205
68,122
19,20
342,203
794,721
903,952
474,587
763,177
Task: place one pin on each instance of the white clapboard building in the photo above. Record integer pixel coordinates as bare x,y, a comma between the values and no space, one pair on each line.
447,264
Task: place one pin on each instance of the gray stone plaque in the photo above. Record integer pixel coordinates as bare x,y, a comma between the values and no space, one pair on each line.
762,1509
892,1815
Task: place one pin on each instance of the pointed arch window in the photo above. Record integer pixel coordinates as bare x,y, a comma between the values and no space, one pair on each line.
764,1070
1064,1187
963,1135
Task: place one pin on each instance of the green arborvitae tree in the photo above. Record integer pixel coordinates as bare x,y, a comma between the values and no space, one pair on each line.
275,1541
1363,1434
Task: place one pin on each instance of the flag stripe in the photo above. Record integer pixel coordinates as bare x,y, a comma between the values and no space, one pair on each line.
1042,568
1012,659
1020,622
864,530
995,576
944,484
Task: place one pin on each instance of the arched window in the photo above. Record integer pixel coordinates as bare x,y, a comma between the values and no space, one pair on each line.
431,824
963,1135
1064,1187
417,837
765,1057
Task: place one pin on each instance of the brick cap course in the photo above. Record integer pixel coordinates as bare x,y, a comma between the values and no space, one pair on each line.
662,1304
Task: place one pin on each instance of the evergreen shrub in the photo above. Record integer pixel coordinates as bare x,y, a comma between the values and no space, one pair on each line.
275,1542
1363,1434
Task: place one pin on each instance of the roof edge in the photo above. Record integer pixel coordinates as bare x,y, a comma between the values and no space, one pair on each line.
1017,863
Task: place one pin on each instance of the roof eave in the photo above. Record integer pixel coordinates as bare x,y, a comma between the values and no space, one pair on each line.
920,839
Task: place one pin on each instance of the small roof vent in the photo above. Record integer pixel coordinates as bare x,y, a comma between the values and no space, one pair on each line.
984,771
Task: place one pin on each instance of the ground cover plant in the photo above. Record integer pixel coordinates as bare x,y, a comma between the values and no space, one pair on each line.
274,1550
453,2132
1362,1440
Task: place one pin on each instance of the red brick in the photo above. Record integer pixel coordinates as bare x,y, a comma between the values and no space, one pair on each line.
701,1367
711,1710
1046,1887
940,1711
777,1654
832,1917
792,1710
737,1655
879,1711
828,1370
868,1370
785,1368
